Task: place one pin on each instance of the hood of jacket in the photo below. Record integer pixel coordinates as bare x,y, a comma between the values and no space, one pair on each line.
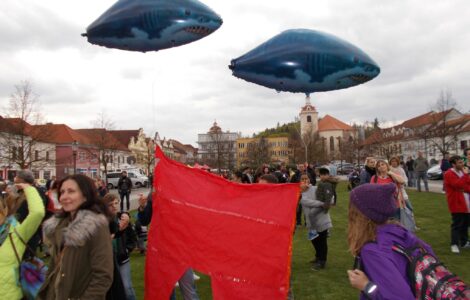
79,230
389,234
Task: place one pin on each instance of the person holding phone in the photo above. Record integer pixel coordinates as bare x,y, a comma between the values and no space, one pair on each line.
379,272
10,232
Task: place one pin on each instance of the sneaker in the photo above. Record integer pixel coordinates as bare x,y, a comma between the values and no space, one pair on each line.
454,249
466,246
196,277
312,234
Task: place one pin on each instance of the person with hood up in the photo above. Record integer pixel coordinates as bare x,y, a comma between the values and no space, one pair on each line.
371,236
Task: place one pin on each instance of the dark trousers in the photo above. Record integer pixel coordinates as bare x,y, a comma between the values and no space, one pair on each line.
422,175
124,194
321,246
459,228
298,214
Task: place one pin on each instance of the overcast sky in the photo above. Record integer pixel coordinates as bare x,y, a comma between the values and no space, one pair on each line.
422,48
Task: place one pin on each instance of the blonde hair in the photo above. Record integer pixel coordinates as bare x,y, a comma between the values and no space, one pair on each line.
361,230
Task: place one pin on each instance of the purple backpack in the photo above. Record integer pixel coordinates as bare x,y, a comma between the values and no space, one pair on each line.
429,278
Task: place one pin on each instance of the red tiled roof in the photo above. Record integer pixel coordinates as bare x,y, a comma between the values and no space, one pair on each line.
61,134
179,147
429,117
102,138
124,136
15,126
330,123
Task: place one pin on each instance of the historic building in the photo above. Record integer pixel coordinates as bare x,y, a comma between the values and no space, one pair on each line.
25,146
277,150
330,133
431,133
218,148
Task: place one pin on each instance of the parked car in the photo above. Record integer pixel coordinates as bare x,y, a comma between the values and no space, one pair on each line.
138,180
435,172
346,168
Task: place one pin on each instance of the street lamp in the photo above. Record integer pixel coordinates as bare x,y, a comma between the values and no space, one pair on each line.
74,152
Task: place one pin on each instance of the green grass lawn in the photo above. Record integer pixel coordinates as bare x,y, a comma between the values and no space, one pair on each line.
432,218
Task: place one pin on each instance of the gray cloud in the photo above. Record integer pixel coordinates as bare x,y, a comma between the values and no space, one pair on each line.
421,48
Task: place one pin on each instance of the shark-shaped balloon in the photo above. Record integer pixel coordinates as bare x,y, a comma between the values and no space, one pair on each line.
152,25
305,61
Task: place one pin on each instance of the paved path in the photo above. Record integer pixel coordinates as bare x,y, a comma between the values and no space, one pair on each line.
134,196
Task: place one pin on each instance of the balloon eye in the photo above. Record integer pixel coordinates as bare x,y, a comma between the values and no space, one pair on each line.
187,12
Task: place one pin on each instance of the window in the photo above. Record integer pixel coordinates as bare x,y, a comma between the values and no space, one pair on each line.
463,145
36,155
47,175
332,143
47,155
309,119
82,156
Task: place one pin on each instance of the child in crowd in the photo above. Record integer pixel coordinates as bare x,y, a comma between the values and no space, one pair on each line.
318,221
326,193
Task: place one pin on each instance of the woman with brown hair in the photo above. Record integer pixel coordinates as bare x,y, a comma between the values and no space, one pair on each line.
381,272
81,264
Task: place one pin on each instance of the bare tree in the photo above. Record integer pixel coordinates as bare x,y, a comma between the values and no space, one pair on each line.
443,133
104,144
22,142
258,152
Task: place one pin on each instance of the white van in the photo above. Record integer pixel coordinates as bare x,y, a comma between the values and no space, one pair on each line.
138,180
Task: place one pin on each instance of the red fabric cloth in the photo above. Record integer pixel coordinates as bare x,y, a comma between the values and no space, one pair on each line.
455,188
240,235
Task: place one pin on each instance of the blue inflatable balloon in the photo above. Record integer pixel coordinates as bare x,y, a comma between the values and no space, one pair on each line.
152,25
305,61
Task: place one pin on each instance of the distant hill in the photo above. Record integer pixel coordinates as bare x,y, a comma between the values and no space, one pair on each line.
280,130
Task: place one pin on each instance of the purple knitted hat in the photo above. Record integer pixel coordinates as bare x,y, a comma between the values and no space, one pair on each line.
375,201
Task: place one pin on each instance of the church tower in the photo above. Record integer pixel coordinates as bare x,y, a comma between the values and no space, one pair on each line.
308,119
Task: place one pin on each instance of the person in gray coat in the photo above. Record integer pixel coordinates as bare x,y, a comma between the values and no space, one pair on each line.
421,166
318,219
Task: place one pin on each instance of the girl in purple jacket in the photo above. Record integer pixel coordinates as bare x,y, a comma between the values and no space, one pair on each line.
371,235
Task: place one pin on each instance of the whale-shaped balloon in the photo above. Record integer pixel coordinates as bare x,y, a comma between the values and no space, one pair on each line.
305,61
152,25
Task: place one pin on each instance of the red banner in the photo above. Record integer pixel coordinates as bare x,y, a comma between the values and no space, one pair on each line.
238,234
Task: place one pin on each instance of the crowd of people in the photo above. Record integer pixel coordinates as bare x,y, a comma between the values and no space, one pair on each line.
89,235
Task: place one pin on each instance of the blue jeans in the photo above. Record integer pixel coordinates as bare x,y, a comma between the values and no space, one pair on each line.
187,287
125,271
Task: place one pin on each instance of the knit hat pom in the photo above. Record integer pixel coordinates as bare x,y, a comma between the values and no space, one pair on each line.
375,201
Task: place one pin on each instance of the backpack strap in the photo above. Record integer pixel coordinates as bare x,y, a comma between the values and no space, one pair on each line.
14,248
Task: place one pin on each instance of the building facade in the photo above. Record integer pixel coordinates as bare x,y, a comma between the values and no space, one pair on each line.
329,135
277,150
218,148
431,133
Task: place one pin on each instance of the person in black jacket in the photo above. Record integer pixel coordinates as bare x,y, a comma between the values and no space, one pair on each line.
124,241
26,176
124,188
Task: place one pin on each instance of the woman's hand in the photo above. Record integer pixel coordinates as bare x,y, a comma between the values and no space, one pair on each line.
357,279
